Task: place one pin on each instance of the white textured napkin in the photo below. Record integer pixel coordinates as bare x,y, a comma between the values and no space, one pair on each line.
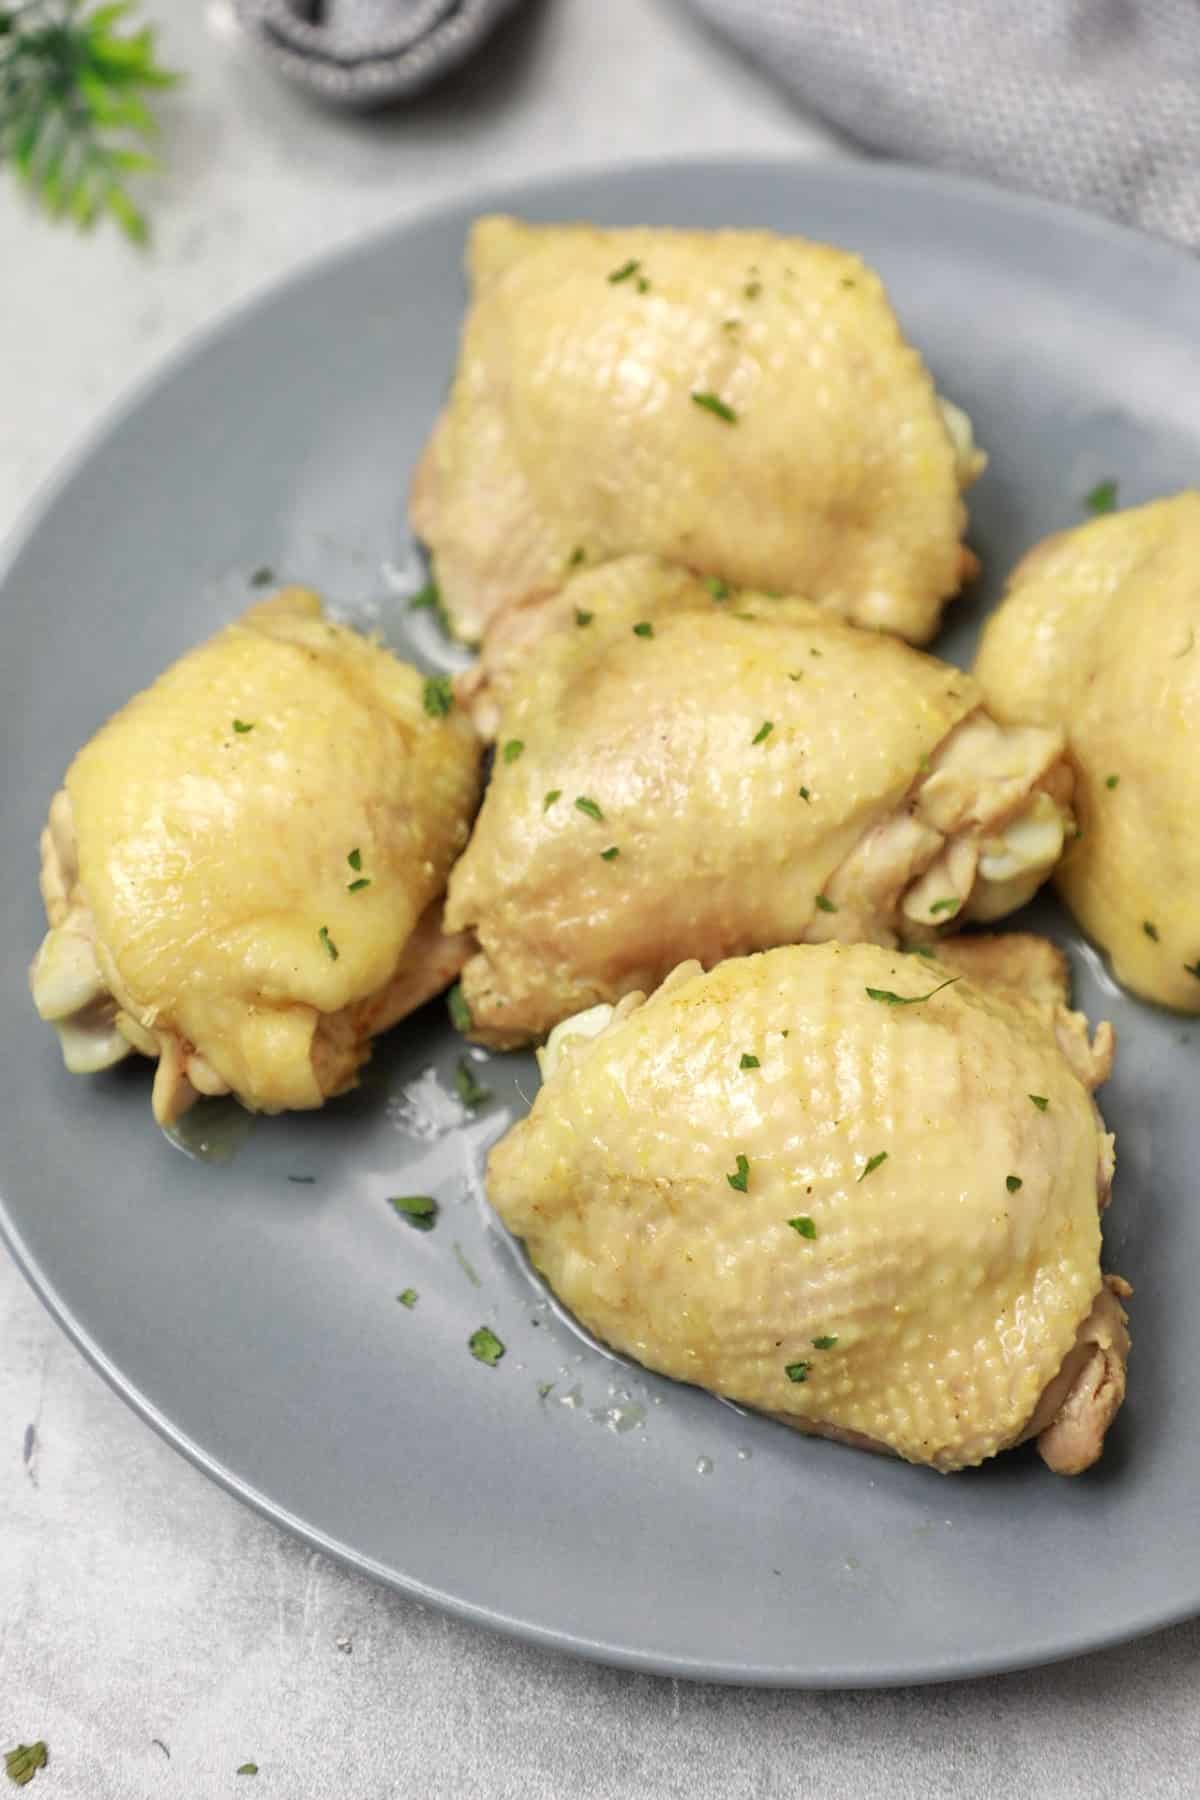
1092,101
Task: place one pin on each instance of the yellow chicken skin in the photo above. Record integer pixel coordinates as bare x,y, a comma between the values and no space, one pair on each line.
243,874
1100,634
824,1185
689,770
737,402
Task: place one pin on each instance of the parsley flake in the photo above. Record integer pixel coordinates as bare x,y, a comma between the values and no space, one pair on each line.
576,557
408,1298
714,404
803,1226
749,1062
764,731
1102,499
626,270
331,948
418,1210
643,628
485,1346
797,1371
355,859
825,904
873,1163
1112,781
824,1343
1012,1183
752,290
582,617
456,1006
889,999
438,696
805,795
552,795
950,904
248,1769
262,577
1150,929
643,286
23,1763
740,1179
1040,1101
241,727
611,854
584,805
513,749
720,590
356,887
467,1088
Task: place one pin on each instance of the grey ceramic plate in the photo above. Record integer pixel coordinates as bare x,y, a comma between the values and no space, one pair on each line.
253,1319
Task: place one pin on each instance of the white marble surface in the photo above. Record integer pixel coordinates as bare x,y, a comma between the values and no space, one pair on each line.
137,1602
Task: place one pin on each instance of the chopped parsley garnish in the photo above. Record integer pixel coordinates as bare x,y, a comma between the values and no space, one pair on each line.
582,617
795,674
752,290
1103,498
825,904
1012,1183
611,854
749,1062
417,1210
241,726
552,795
355,859
848,281
485,1346
356,887
1112,781
262,577
714,404
439,696
805,795
1150,929
626,270
456,1006
584,805
643,628
248,1769
513,749
576,557
803,1226
23,1763
824,1343
467,1088
764,731
1193,968
429,599
950,905
740,1179
873,1163
719,589
797,1371
1040,1101
408,1298
331,949
643,286
890,999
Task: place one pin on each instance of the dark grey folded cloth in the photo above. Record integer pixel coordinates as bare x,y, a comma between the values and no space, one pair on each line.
1093,101
363,53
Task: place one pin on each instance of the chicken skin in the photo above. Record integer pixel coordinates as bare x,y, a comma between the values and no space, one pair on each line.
244,870
686,771
827,1186
1100,634
740,403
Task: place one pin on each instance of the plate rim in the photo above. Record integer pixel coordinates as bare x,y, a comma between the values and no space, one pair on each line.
32,516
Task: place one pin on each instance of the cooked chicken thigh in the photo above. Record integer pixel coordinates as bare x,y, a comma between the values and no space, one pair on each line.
1100,634
689,771
740,403
243,873
877,1221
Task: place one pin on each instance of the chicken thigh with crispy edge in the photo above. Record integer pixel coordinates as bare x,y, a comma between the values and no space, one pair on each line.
244,870
685,771
825,1185
1100,634
742,403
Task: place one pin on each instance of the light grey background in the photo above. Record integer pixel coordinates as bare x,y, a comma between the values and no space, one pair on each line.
136,1601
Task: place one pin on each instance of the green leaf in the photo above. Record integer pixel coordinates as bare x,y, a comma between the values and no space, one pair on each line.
764,731
456,1005
803,1226
740,1179
467,1088
889,999
797,1371
408,1298
825,904
1102,498
331,949
248,1769
22,1763
585,805
824,1343
873,1163
438,696
749,1062
1012,1183
714,404
1040,1101
418,1210
485,1346
513,749
127,216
